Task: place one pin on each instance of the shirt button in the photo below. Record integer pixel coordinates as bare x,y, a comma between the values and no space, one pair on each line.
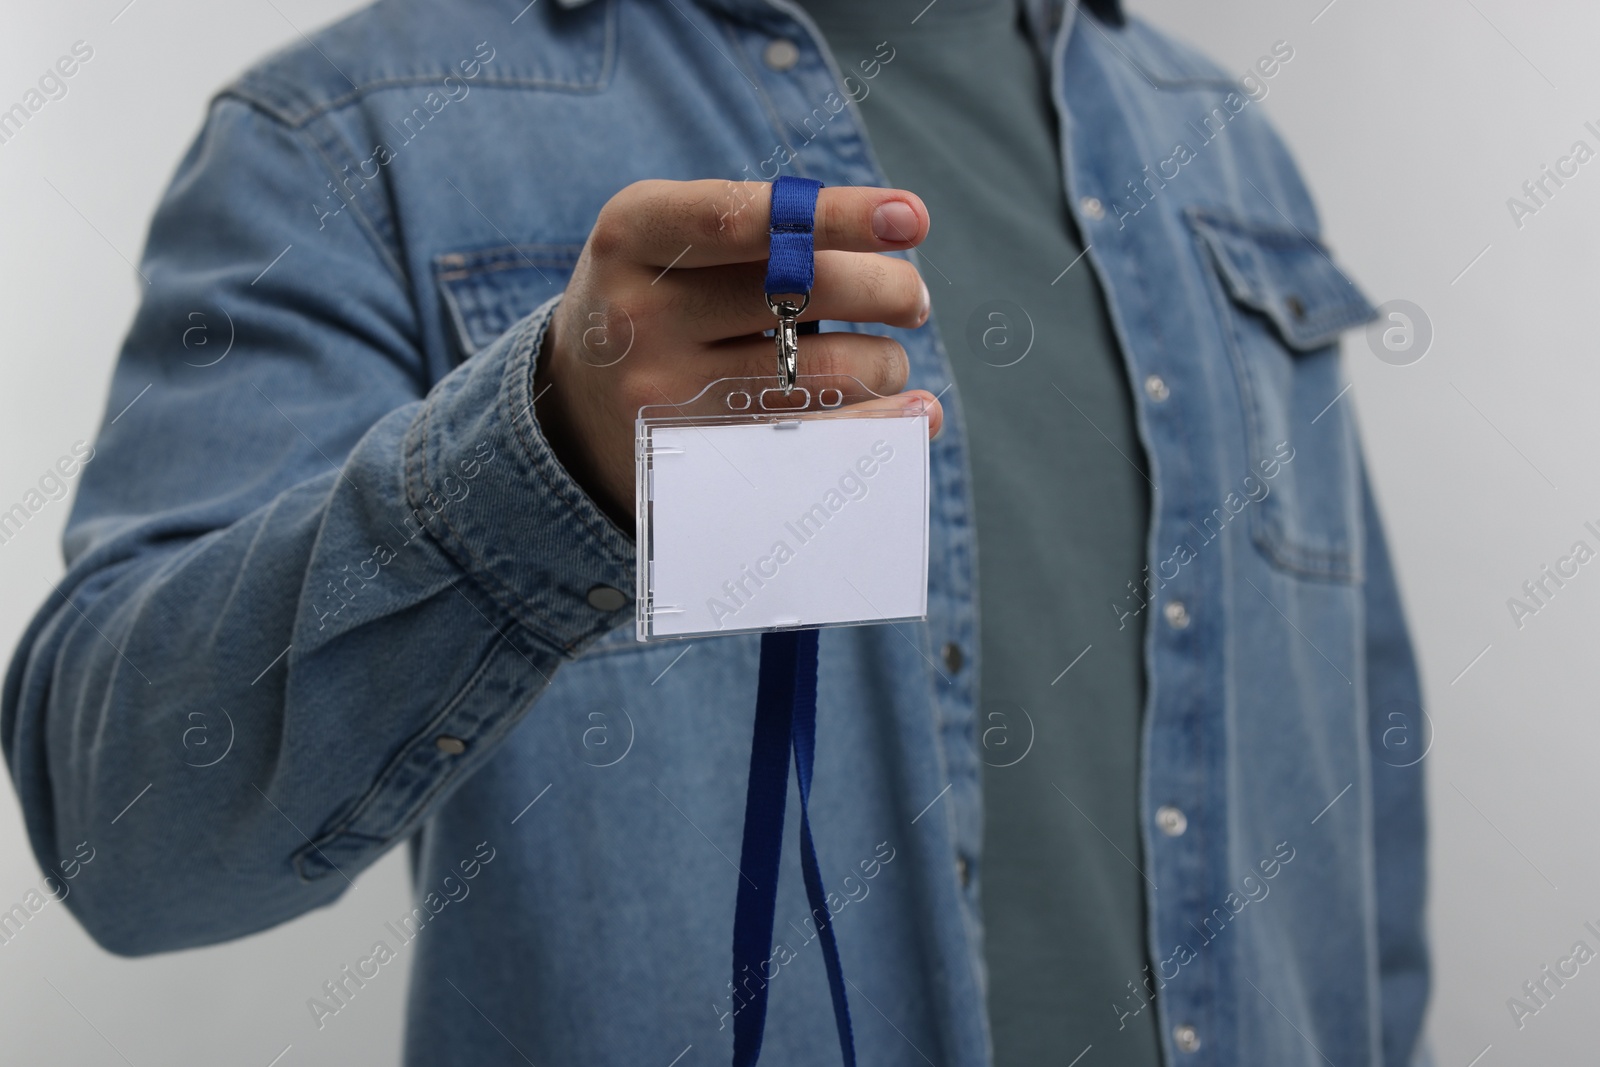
1177,615
1186,1038
1156,388
450,746
963,872
605,598
951,654
780,54
1172,821
1092,207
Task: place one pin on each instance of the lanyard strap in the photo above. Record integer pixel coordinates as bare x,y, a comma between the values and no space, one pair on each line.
786,720
791,266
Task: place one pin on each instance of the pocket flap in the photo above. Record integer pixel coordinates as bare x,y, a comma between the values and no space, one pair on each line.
488,291
1286,276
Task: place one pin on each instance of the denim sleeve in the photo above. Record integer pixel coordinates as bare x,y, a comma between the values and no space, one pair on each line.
306,593
1400,738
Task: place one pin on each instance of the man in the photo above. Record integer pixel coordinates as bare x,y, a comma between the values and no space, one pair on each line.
381,546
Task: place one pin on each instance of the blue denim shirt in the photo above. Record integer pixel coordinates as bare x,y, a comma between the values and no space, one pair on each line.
329,590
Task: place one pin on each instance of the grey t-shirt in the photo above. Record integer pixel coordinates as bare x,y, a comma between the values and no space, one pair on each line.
961,115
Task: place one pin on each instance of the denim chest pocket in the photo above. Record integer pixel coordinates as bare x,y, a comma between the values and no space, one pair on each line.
1282,304
487,291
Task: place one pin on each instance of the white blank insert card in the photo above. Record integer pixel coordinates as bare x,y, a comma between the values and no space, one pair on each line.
776,524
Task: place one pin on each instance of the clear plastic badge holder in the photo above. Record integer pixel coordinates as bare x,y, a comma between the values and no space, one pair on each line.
764,509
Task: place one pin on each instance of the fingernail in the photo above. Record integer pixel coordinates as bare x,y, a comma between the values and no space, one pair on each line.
927,305
894,221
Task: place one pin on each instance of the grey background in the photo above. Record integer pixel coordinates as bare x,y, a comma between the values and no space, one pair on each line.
1415,122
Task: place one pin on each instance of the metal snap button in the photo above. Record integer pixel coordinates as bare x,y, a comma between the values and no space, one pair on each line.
780,54
1171,821
605,598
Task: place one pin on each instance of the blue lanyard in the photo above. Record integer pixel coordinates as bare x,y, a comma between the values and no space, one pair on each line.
791,262
786,720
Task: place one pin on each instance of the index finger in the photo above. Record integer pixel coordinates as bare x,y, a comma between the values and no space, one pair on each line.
665,224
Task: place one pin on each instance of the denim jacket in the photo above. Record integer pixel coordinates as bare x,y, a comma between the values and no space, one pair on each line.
329,590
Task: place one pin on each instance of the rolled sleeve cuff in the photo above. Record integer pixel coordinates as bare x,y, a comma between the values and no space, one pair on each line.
482,479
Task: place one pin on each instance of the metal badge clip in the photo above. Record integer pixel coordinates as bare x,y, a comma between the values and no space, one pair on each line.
787,337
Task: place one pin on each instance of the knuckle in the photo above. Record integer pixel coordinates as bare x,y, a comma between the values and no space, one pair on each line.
641,209
639,196
910,292
725,220
893,367
872,277
747,204
829,355
715,223
842,221
610,233
877,362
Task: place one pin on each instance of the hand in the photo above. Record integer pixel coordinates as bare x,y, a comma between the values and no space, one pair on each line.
668,296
